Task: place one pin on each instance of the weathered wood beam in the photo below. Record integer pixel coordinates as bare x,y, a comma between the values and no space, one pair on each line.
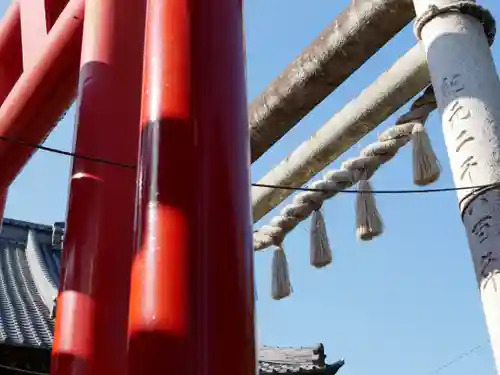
408,76
349,41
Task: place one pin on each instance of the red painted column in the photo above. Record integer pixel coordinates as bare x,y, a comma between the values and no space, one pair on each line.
92,308
11,46
192,305
34,30
11,65
40,96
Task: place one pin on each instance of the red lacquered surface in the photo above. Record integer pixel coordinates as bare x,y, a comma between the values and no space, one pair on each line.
192,306
92,315
35,99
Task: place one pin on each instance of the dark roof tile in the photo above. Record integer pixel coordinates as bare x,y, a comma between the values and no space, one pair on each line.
29,280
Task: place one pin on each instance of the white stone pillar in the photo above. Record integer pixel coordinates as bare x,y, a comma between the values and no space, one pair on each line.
467,90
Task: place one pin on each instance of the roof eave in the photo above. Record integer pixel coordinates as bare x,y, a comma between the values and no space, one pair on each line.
328,369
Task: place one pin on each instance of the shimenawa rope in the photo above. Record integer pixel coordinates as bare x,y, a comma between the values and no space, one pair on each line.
426,170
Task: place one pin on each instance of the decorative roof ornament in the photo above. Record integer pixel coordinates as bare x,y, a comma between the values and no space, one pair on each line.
296,360
58,234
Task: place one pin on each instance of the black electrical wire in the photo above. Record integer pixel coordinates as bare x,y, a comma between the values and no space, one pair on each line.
458,358
130,166
255,184
407,191
66,153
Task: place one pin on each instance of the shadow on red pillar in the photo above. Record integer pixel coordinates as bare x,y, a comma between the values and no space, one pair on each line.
192,304
92,310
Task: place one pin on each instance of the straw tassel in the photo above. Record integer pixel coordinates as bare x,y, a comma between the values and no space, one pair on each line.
320,251
426,168
281,286
368,221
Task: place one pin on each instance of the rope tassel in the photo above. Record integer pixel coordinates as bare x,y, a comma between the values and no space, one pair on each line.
351,171
426,168
368,222
320,251
281,286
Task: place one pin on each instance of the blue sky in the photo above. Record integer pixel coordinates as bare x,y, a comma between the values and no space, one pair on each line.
405,303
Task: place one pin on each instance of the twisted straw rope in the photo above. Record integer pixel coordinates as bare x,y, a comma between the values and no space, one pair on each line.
351,172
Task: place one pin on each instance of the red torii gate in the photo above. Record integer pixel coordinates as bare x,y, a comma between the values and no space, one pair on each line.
197,297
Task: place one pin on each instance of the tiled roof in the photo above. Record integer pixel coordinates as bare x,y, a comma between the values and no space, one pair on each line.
304,360
29,280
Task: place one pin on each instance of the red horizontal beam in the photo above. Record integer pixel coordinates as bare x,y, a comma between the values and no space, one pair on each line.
11,65
41,94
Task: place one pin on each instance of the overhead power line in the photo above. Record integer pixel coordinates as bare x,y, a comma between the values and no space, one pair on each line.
458,358
397,191
295,188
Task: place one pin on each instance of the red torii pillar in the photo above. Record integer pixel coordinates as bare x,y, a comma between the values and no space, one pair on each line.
11,66
10,69
14,47
33,99
92,309
192,304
